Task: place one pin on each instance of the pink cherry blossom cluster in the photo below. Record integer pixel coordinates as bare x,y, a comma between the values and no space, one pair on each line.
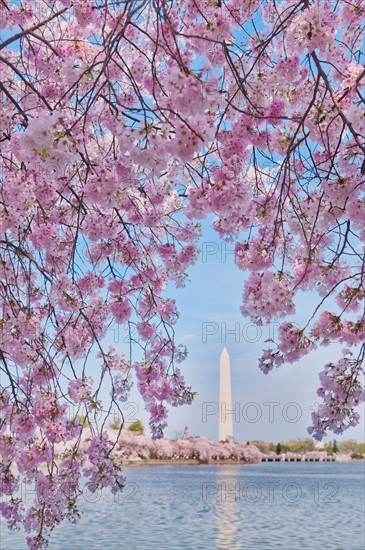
134,446
342,391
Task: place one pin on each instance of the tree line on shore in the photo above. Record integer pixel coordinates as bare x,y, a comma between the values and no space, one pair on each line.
308,445
134,444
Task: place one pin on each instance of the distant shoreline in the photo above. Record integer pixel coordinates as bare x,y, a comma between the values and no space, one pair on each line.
196,462
187,462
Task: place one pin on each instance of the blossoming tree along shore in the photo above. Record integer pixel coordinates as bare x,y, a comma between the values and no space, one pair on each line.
133,446
122,125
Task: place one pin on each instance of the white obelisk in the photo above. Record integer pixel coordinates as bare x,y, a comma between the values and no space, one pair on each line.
225,399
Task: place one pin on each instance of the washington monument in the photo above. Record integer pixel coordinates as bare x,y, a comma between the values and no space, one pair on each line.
225,399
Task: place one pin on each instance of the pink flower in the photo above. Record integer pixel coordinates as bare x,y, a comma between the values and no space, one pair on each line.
121,310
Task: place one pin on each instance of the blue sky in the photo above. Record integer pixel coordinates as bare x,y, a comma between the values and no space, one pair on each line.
274,407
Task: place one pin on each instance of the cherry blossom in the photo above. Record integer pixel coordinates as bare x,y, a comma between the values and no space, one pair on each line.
122,126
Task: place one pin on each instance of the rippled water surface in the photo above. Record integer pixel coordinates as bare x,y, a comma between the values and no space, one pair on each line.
291,506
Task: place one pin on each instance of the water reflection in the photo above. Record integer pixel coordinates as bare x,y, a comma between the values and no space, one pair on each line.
221,507
228,501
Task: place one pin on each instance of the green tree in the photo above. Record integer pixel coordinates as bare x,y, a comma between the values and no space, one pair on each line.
117,424
328,449
301,445
361,448
348,446
278,449
335,447
136,426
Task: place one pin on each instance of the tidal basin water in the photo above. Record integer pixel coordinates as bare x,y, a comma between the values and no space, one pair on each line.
291,506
